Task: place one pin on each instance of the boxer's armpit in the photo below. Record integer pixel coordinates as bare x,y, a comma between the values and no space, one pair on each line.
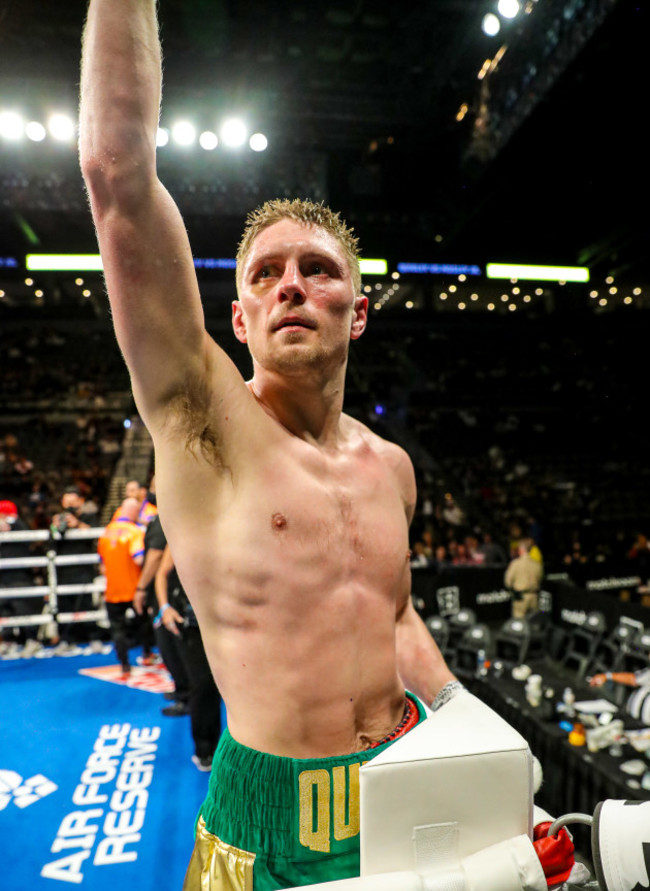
189,411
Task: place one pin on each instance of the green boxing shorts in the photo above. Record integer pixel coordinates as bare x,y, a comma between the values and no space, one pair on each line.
269,822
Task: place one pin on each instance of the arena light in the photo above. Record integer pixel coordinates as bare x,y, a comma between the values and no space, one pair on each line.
162,137
509,9
537,273
93,263
438,269
258,142
12,125
373,267
233,132
208,140
491,24
215,263
35,131
63,262
184,133
61,127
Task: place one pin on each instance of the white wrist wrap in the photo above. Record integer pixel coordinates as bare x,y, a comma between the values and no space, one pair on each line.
443,696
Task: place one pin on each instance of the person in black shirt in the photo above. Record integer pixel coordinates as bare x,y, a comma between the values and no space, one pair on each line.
177,616
168,643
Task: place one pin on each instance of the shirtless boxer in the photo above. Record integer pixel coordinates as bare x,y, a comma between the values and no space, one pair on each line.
288,520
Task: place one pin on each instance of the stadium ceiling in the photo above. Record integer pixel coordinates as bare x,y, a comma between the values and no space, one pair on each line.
438,143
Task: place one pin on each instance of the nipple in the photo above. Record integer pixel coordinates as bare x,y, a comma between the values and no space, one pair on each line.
278,522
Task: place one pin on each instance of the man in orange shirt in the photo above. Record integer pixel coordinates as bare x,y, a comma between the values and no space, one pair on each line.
121,550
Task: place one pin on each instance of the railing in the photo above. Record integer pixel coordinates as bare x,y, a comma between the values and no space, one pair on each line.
52,591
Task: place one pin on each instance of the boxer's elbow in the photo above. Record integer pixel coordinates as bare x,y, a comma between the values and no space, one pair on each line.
118,171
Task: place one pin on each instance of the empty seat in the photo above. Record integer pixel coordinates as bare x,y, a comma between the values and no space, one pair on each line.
583,643
438,628
638,656
458,625
612,650
512,642
475,639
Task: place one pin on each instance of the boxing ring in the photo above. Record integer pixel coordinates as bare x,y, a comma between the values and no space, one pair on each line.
53,610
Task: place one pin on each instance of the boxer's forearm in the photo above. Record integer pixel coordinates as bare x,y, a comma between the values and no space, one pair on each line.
120,88
419,661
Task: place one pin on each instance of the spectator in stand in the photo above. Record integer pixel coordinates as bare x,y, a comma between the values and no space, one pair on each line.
441,558
639,554
23,468
461,556
524,578
490,551
574,554
74,516
121,549
451,512
418,557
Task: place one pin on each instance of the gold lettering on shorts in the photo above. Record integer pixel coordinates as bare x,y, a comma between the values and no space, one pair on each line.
317,838
343,829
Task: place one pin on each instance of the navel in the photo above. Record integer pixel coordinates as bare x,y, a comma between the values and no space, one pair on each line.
278,522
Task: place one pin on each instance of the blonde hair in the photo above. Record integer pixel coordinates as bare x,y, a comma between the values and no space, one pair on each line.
309,214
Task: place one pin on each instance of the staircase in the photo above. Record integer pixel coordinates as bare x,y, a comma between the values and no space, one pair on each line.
134,464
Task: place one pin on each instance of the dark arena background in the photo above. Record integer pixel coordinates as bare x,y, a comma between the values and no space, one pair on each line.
520,393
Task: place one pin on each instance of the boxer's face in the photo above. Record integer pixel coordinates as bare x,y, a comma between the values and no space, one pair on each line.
297,305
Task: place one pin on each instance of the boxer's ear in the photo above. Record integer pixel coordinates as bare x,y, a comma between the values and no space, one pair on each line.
239,322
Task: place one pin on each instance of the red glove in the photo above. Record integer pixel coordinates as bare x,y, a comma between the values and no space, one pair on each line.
555,852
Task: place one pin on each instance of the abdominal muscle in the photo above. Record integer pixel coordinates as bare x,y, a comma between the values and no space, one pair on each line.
307,668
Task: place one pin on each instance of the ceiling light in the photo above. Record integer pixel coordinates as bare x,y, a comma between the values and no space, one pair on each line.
233,132
35,131
184,133
12,125
61,127
258,142
491,24
508,8
208,140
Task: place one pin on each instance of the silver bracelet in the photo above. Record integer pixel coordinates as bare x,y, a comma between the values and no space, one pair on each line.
443,696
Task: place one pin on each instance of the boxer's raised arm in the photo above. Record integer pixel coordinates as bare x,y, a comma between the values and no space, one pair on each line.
147,259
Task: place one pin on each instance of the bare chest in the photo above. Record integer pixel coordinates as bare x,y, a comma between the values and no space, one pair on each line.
345,514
